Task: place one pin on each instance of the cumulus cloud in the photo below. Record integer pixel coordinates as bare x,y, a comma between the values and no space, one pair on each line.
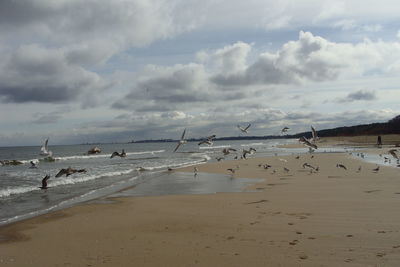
36,74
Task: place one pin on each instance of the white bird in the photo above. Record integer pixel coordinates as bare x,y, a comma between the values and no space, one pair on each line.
244,130
314,134
182,141
307,143
44,150
208,140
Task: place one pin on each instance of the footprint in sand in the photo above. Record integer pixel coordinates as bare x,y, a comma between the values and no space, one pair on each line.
294,242
303,256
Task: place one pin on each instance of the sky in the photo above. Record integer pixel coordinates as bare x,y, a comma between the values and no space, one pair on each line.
79,71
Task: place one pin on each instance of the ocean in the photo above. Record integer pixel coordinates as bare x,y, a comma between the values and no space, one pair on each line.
145,163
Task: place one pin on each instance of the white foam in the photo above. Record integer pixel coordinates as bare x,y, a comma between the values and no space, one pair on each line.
17,190
214,147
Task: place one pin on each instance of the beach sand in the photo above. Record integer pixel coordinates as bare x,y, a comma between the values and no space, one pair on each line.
333,217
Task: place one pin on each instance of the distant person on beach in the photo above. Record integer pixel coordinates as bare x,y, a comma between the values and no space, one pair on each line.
379,141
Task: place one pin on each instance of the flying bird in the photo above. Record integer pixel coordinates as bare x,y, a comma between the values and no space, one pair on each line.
44,150
227,151
121,155
314,134
44,182
338,165
208,140
393,153
285,129
244,130
309,166
33,165
182,141
94,150
251,151
68,171
307,143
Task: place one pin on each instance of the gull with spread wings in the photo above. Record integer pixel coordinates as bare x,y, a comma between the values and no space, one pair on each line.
182,141
244,130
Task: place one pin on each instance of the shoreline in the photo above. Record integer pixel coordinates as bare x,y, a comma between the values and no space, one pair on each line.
331,218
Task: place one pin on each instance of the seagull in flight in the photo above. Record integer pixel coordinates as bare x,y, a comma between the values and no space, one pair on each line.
208,140
182,141
314,134
44,182
285,129
307,143
393,153
116,153
244,130
68,171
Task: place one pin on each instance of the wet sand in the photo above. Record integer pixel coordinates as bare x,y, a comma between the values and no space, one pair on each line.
333,217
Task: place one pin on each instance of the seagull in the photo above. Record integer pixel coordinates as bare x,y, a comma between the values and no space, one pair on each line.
231,170
376,169
94,150
285,129
309,166
208,140
286,169
244,130
68,171
121,155
250,152
341,166
44,182
33,165
227,151
219,158
195,171
267,166
45,149
314,134
182,141
359,169
393,153
307,143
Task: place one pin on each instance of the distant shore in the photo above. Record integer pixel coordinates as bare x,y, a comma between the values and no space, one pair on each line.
296,217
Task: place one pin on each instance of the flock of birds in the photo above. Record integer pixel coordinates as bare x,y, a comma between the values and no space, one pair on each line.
310,143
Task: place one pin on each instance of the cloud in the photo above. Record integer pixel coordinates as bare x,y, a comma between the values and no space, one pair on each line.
360,95
36,74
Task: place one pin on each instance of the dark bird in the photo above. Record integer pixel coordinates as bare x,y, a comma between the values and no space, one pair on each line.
44,182
376,169
68,171
359,169
33,165
285,129
341,166
308,166
267,166
208,140
231,170
286,169
314,134
219,158
244,130
121,155
393,153
250,152
227,151
94,150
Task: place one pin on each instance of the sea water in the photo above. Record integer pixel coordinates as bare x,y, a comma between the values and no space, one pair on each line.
21,196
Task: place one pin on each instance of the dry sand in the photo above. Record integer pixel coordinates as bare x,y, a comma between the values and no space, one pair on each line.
333,217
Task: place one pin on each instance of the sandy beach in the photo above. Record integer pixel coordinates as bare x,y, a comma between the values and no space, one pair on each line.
294,217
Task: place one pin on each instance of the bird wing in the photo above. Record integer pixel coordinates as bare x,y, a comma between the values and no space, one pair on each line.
393,153
114,154
202,142
44,181
248,126
314,133
240,128
176,148
183,134
61,172
211,137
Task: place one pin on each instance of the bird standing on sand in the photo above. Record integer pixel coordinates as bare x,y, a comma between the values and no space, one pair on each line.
244,130
44,182
376,169
359,169
182,141
195,171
